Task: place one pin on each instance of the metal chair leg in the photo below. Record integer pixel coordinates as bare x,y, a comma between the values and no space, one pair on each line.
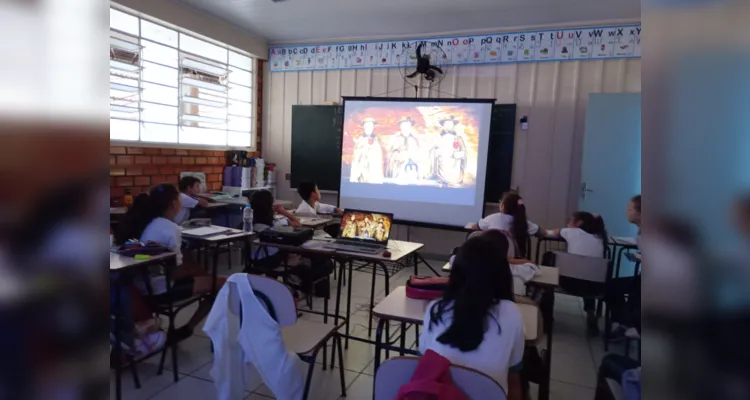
325,354
607,328
134,371
310,371
337,340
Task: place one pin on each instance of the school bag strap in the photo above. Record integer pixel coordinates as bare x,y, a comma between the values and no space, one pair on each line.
431,381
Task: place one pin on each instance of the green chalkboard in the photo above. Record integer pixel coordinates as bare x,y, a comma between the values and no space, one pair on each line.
500,151
316,145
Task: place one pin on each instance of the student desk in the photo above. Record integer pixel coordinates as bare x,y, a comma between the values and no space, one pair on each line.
397,307
549,277
314,222
216,241
319,221
115,213
399,251
624,244
549,239
213,209
127,266
635,258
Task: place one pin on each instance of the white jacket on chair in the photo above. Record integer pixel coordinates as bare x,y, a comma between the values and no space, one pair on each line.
257,341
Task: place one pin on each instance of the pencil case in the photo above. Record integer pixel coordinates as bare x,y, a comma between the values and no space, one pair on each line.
151,249
425,287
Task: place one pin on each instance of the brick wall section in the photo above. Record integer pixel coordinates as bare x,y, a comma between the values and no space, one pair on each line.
139,168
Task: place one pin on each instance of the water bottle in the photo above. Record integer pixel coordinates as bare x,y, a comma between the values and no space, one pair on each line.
247,218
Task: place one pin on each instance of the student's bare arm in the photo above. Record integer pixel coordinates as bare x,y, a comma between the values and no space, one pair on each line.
515,389
519,261
202,202
279,209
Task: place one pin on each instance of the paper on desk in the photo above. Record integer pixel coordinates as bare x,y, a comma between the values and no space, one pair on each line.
320,234
623,239
205,231
314,244
310,220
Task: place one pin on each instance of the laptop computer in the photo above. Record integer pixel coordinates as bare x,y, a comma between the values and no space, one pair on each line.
363,232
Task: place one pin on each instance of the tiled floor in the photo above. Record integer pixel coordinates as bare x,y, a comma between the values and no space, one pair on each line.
574,357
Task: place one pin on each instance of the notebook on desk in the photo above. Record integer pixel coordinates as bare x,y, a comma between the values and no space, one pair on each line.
363,232
206,231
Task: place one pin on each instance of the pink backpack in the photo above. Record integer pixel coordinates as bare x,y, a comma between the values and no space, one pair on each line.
431,381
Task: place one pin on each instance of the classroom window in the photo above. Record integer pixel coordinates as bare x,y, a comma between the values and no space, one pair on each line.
169,86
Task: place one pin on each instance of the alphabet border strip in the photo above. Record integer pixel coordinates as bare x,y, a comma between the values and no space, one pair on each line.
595,43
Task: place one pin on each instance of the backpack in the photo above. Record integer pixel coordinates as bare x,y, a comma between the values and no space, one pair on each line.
431,381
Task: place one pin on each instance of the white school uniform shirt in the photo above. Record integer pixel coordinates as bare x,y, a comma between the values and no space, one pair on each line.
582,243
307,209
188,203
256,342
501,349
504,222
166,233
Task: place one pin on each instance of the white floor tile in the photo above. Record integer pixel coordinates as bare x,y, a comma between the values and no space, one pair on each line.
326,385
356,357
192,354
151,383
253,380
256,396
573,369
574,344
567,391
361,389
188,388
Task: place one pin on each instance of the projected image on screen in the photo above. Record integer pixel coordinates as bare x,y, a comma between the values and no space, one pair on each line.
411,145
422,160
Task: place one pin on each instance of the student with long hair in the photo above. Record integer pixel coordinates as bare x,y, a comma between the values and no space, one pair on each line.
476,322
264,217
306,270
150,219
511,218
586,236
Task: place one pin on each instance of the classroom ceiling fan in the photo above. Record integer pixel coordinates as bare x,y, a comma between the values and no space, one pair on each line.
421,66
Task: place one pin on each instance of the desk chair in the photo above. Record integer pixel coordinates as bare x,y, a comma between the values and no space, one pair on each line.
303,337
275,266
597,271
398,371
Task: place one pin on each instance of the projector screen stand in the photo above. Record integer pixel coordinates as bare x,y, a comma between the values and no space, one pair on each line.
418,257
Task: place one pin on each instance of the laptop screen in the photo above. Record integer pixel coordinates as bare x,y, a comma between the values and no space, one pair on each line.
366,226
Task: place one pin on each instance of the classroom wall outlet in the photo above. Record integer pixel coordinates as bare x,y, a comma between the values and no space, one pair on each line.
288,177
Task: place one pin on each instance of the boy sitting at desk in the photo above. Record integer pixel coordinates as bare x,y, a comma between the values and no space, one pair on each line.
190,187
311,205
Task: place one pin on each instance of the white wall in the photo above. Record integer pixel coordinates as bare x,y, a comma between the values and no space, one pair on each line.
547,157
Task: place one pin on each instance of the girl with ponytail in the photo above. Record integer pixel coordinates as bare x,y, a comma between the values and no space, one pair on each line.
585,235
512,219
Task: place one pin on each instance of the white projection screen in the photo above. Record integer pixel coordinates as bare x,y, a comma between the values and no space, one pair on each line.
424,160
